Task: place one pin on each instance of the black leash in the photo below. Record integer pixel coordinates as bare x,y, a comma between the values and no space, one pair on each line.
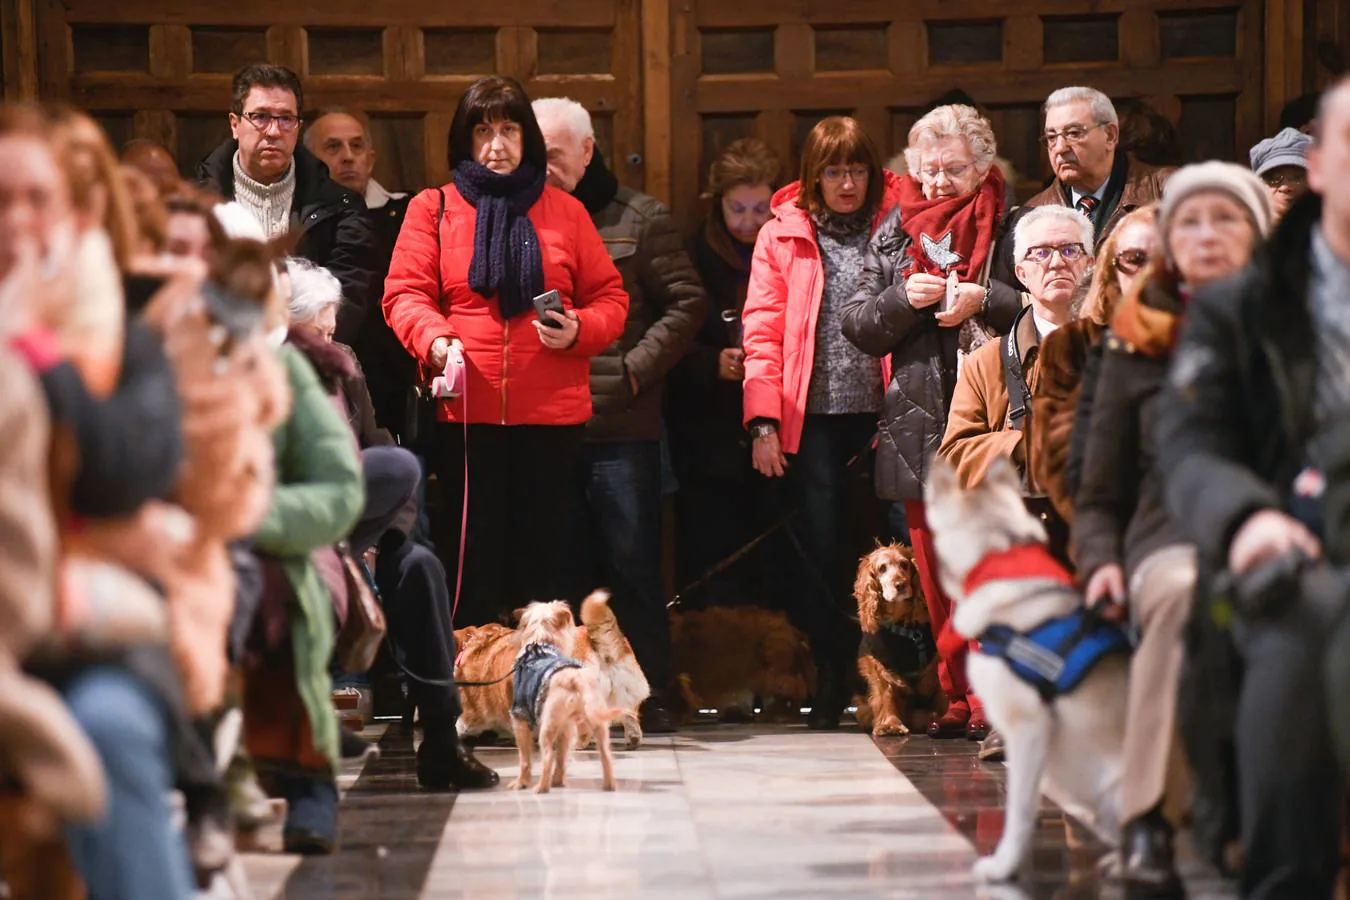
397,654
744,550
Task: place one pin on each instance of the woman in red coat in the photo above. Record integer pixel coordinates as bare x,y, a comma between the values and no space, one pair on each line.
810,398
467,279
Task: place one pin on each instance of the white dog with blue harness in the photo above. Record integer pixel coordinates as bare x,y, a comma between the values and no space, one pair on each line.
1053,677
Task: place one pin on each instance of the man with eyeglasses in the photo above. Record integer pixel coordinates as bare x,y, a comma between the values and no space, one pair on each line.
991,406
990,415
1093,173
287,188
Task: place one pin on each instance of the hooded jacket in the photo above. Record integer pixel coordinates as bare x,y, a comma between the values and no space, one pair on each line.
782,303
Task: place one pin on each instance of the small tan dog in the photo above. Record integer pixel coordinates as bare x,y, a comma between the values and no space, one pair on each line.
487,654
554,697
898,656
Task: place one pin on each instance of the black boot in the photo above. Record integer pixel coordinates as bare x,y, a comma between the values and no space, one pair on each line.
657,716
444,764
830,700
1148,866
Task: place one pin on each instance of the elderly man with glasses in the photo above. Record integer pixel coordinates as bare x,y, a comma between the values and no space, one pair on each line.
990,415
287,188
991,407
1093,173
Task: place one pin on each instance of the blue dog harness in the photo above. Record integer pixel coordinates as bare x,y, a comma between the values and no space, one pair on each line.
530,676
1055,656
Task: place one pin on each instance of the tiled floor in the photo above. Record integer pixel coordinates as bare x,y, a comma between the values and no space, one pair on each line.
715,812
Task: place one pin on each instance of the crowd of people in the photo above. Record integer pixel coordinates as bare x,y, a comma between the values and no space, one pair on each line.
241,403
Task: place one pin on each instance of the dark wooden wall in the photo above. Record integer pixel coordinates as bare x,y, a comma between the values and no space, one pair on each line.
670,83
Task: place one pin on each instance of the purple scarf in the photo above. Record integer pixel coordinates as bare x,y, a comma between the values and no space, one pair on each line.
507,261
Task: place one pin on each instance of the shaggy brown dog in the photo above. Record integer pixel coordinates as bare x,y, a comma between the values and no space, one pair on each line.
727,656
487,653
565,700
897,658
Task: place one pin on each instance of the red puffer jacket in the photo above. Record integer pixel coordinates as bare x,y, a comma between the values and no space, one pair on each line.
513,379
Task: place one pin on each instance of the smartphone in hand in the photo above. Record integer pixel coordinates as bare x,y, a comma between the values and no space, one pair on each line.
546,301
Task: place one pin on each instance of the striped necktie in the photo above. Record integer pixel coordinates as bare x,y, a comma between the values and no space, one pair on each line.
1087,204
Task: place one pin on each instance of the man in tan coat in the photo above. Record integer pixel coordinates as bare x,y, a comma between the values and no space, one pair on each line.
990,416
1053,246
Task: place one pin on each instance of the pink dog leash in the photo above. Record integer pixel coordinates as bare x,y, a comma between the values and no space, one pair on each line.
452,384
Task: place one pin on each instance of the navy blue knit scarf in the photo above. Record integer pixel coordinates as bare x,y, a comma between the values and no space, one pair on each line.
507,261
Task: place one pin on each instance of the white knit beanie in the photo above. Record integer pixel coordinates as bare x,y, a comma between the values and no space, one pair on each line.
1234,180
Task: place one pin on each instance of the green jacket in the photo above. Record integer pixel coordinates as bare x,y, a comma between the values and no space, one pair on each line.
318,497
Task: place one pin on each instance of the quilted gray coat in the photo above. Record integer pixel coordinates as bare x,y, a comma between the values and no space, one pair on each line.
879,321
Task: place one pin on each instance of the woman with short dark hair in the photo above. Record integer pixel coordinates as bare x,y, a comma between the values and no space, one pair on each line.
472,257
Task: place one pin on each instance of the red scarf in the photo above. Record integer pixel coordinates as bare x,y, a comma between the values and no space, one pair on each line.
971,220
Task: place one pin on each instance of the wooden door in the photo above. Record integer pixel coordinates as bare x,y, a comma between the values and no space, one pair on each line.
162,70
772,68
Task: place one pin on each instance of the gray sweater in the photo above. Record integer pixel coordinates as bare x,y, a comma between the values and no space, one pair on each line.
843,378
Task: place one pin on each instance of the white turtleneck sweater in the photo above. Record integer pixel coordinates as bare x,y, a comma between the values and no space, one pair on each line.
270,204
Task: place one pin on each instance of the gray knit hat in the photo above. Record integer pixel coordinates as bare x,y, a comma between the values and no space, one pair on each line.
1288,148
1232,179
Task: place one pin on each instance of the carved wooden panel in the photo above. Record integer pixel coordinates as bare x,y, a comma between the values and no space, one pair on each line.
404,63
226,50
773,69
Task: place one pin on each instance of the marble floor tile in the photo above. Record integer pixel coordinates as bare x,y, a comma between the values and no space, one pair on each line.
725,812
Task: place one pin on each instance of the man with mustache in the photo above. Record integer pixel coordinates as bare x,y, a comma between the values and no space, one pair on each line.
1093,173
991,406
287,188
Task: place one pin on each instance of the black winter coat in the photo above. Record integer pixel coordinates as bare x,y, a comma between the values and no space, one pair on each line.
878,320
389,369
1119,514
1236,417
335,233
703,411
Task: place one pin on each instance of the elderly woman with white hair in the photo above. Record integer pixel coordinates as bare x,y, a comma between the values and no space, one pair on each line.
409,575
924,301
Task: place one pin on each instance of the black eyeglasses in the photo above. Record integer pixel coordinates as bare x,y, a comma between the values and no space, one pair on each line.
1128,262
263,120
1042,254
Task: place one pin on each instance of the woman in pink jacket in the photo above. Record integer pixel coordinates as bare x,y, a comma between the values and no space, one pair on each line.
811,398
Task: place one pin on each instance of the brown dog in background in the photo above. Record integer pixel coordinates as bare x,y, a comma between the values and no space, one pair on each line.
897,657
726,656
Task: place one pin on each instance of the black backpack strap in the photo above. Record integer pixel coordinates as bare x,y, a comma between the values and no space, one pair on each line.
1019,395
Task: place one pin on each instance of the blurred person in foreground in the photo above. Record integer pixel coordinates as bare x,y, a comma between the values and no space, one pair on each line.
1259,381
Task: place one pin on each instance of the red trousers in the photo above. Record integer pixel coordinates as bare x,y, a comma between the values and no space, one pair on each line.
951,668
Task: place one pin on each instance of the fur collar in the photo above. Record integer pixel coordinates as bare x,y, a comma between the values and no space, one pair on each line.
1149,320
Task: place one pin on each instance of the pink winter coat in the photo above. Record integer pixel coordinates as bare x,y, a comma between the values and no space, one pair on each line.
782,304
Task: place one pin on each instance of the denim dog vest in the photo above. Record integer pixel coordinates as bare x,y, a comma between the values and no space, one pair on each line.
530,677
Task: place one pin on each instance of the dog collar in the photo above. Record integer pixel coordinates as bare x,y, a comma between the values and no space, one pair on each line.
1025,561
